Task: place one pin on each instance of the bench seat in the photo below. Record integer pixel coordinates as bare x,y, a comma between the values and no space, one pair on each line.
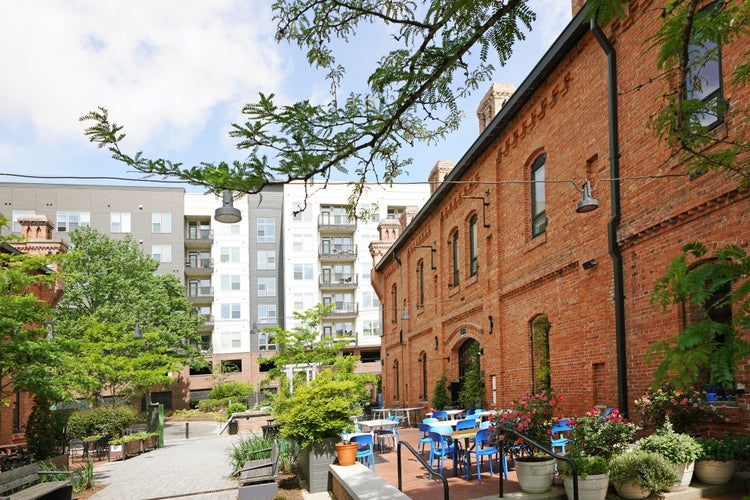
24,483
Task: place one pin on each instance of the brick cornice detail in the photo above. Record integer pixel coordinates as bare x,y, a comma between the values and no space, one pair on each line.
541,279
684,217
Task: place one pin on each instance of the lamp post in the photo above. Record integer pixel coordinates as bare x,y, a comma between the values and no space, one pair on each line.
226,213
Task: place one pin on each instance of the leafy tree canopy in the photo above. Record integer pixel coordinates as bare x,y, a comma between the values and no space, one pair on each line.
110,288
28,361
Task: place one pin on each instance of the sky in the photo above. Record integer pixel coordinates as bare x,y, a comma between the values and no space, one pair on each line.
176,74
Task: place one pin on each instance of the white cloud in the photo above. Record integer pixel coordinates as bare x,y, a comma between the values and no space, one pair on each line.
551,17
161,67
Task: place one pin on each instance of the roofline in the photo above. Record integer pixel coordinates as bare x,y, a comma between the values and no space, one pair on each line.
571,35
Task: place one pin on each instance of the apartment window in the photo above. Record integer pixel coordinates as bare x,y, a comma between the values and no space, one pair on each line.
229,254
267,314
334,215
370,299
119,222
302,242
231,340
372,211
303,272
704,81
230,282
16,412
538,203
266,259
303,301
16,215
343,328
266,341
267,287
68,221
473,246
371,328
327,331
161,222
230,311
198,230
395,212
456,262
199,288
266,230
302,215
420,283
231,366
162,253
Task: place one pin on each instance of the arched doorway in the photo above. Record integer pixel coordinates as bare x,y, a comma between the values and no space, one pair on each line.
467,354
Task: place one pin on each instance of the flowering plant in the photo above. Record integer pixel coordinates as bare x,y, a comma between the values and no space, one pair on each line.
676,447
688,411
601,434
531,416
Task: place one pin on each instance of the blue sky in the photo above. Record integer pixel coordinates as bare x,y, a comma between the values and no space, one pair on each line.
176,73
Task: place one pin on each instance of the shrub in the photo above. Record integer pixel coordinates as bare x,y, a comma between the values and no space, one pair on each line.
216,404
531,416
42,435
236,408
724,449
103,420
676,447
584,465
239,391
688,411
439,398
597,435
649,470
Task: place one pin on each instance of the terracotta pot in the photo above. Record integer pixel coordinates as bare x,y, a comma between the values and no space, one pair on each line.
347,453
631,490
535,476
592,487
714,471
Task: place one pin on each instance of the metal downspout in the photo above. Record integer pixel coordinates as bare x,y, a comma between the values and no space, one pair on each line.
614,221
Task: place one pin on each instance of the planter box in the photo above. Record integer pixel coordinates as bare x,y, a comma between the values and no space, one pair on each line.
315,460
131,448
150,443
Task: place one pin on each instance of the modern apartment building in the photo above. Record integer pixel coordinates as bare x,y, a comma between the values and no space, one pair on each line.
242,277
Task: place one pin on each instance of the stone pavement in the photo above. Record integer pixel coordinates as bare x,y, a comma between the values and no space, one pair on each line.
197,468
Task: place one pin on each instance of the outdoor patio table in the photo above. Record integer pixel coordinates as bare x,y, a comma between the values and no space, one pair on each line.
384,412
466,435
451,413
372,425
406,412
452,423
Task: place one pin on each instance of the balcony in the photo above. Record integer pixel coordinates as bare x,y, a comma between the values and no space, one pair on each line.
337,282
207,325
200,294
198,238
336,224
337,253
199,267
344,311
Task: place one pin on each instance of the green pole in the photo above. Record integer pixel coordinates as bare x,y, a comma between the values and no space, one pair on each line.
161,425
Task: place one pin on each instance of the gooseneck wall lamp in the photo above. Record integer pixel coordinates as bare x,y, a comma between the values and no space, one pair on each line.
432,254
226,213
485,204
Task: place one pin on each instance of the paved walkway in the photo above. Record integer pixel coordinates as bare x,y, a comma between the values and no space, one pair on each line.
197,468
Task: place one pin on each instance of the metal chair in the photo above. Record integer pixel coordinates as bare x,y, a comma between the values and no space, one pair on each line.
76,446
392,433
483,449
440,415
557,436
366,448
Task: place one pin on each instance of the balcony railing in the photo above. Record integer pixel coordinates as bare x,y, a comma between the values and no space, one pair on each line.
199,236
345,252
200,294
338,222
345,310
337,281
196,266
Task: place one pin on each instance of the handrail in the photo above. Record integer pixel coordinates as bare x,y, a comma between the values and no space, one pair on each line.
425,464
545,450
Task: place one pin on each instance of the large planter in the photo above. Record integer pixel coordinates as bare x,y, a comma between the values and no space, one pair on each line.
535,475
631,490
130,448
347,453
713,471
685,473
315,460
592,487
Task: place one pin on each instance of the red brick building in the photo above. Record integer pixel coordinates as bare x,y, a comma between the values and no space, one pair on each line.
37,239
498,259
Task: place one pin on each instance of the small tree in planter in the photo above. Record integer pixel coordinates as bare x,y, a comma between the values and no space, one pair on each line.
472,392
680,449
638,473
440,397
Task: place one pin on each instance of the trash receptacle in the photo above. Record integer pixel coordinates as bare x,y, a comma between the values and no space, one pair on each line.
270,431
234,427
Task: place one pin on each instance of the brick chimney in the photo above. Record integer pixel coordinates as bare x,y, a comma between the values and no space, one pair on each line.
492,102
438,173
36,234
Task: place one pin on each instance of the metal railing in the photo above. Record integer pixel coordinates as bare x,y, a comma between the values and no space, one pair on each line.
533,443
421,460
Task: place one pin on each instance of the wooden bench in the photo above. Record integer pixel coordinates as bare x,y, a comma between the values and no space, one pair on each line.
258,477
24,483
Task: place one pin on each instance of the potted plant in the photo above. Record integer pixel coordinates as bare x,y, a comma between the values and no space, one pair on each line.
680,449
717,459
595,438
533,417
316,415
638,473
688,410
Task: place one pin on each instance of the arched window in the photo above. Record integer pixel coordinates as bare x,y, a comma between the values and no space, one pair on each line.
540,359
704,81
396,381
456,262
538,200
473,246
420,283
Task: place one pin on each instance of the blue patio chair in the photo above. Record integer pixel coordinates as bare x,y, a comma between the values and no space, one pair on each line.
366,449
467,423
440,449
483,449
391,433
424,438
429,420
440,415
485,424
557,436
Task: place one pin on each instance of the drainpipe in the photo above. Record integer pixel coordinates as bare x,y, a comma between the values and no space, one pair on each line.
614,221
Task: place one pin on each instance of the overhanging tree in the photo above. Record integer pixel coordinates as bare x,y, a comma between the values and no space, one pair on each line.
110,288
